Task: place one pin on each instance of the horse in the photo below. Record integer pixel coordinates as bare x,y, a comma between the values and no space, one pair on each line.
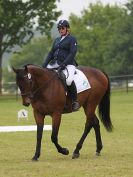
43,89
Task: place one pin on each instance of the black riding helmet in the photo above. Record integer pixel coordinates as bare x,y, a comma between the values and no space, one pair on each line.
63,23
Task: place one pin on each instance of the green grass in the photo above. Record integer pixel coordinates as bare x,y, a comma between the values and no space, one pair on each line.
116,160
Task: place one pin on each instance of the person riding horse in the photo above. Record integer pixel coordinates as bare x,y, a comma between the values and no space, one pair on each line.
62,56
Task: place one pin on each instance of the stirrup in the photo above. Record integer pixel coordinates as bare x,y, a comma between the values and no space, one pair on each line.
75,106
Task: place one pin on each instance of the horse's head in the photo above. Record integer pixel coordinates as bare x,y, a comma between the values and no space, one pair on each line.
24,82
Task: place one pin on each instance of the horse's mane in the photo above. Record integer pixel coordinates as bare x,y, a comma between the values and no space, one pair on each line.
38,66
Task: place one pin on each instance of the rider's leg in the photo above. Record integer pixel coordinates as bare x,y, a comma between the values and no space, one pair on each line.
73,92
71,86
53,66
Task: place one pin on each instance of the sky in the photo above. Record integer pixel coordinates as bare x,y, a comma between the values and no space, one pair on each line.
76,6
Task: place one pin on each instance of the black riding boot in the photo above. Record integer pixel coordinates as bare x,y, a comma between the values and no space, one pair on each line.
73,94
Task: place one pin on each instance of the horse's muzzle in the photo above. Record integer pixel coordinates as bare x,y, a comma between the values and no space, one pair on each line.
26,102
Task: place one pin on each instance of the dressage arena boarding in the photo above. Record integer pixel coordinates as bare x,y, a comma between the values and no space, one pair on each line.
22,128
23,114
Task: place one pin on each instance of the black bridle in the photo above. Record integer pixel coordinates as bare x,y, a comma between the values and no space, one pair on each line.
29,93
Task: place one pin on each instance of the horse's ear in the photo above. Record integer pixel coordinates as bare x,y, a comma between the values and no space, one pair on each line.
26,68
14,69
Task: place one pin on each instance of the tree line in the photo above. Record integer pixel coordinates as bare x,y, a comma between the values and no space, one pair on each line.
105,40
18,21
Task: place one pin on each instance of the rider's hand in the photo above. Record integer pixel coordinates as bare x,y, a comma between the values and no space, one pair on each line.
61,67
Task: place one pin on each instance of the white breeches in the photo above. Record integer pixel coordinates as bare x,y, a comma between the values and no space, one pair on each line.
52,66
68,71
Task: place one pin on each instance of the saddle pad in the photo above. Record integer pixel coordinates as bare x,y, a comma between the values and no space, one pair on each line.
81,81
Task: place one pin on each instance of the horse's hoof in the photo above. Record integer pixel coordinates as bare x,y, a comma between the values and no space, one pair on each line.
65,151
97,154
75,156
34,159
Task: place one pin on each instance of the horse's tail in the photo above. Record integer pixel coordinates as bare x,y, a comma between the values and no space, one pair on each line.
104,109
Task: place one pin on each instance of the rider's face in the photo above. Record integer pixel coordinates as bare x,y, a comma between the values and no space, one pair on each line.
62,31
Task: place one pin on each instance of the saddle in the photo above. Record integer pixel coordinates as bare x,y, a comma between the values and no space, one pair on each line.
80,80
62,77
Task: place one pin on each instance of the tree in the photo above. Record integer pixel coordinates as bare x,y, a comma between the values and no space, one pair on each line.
121,52
96,32
18,18
32,53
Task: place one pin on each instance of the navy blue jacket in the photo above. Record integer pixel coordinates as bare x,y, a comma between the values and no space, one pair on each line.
63,51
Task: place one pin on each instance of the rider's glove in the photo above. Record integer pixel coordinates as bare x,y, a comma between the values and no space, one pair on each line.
61,67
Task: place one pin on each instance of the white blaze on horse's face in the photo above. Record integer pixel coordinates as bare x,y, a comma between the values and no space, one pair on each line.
29,76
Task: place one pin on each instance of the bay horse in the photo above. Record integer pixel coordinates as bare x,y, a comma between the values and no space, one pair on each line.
43,89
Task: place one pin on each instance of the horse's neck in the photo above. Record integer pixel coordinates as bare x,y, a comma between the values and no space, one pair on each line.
42,76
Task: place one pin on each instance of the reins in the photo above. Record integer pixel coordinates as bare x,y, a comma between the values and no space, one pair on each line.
45,84
32,93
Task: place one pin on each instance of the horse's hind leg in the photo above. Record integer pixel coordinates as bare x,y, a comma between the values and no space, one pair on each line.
91,121
87,129
96,127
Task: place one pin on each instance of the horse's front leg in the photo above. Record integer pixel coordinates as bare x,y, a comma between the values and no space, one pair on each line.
40,123
87,129
56,119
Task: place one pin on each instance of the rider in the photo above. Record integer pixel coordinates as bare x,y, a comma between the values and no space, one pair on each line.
62,57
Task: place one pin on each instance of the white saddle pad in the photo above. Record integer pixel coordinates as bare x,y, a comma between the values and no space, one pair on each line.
81,81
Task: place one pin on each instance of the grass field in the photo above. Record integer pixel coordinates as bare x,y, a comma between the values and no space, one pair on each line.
116,160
